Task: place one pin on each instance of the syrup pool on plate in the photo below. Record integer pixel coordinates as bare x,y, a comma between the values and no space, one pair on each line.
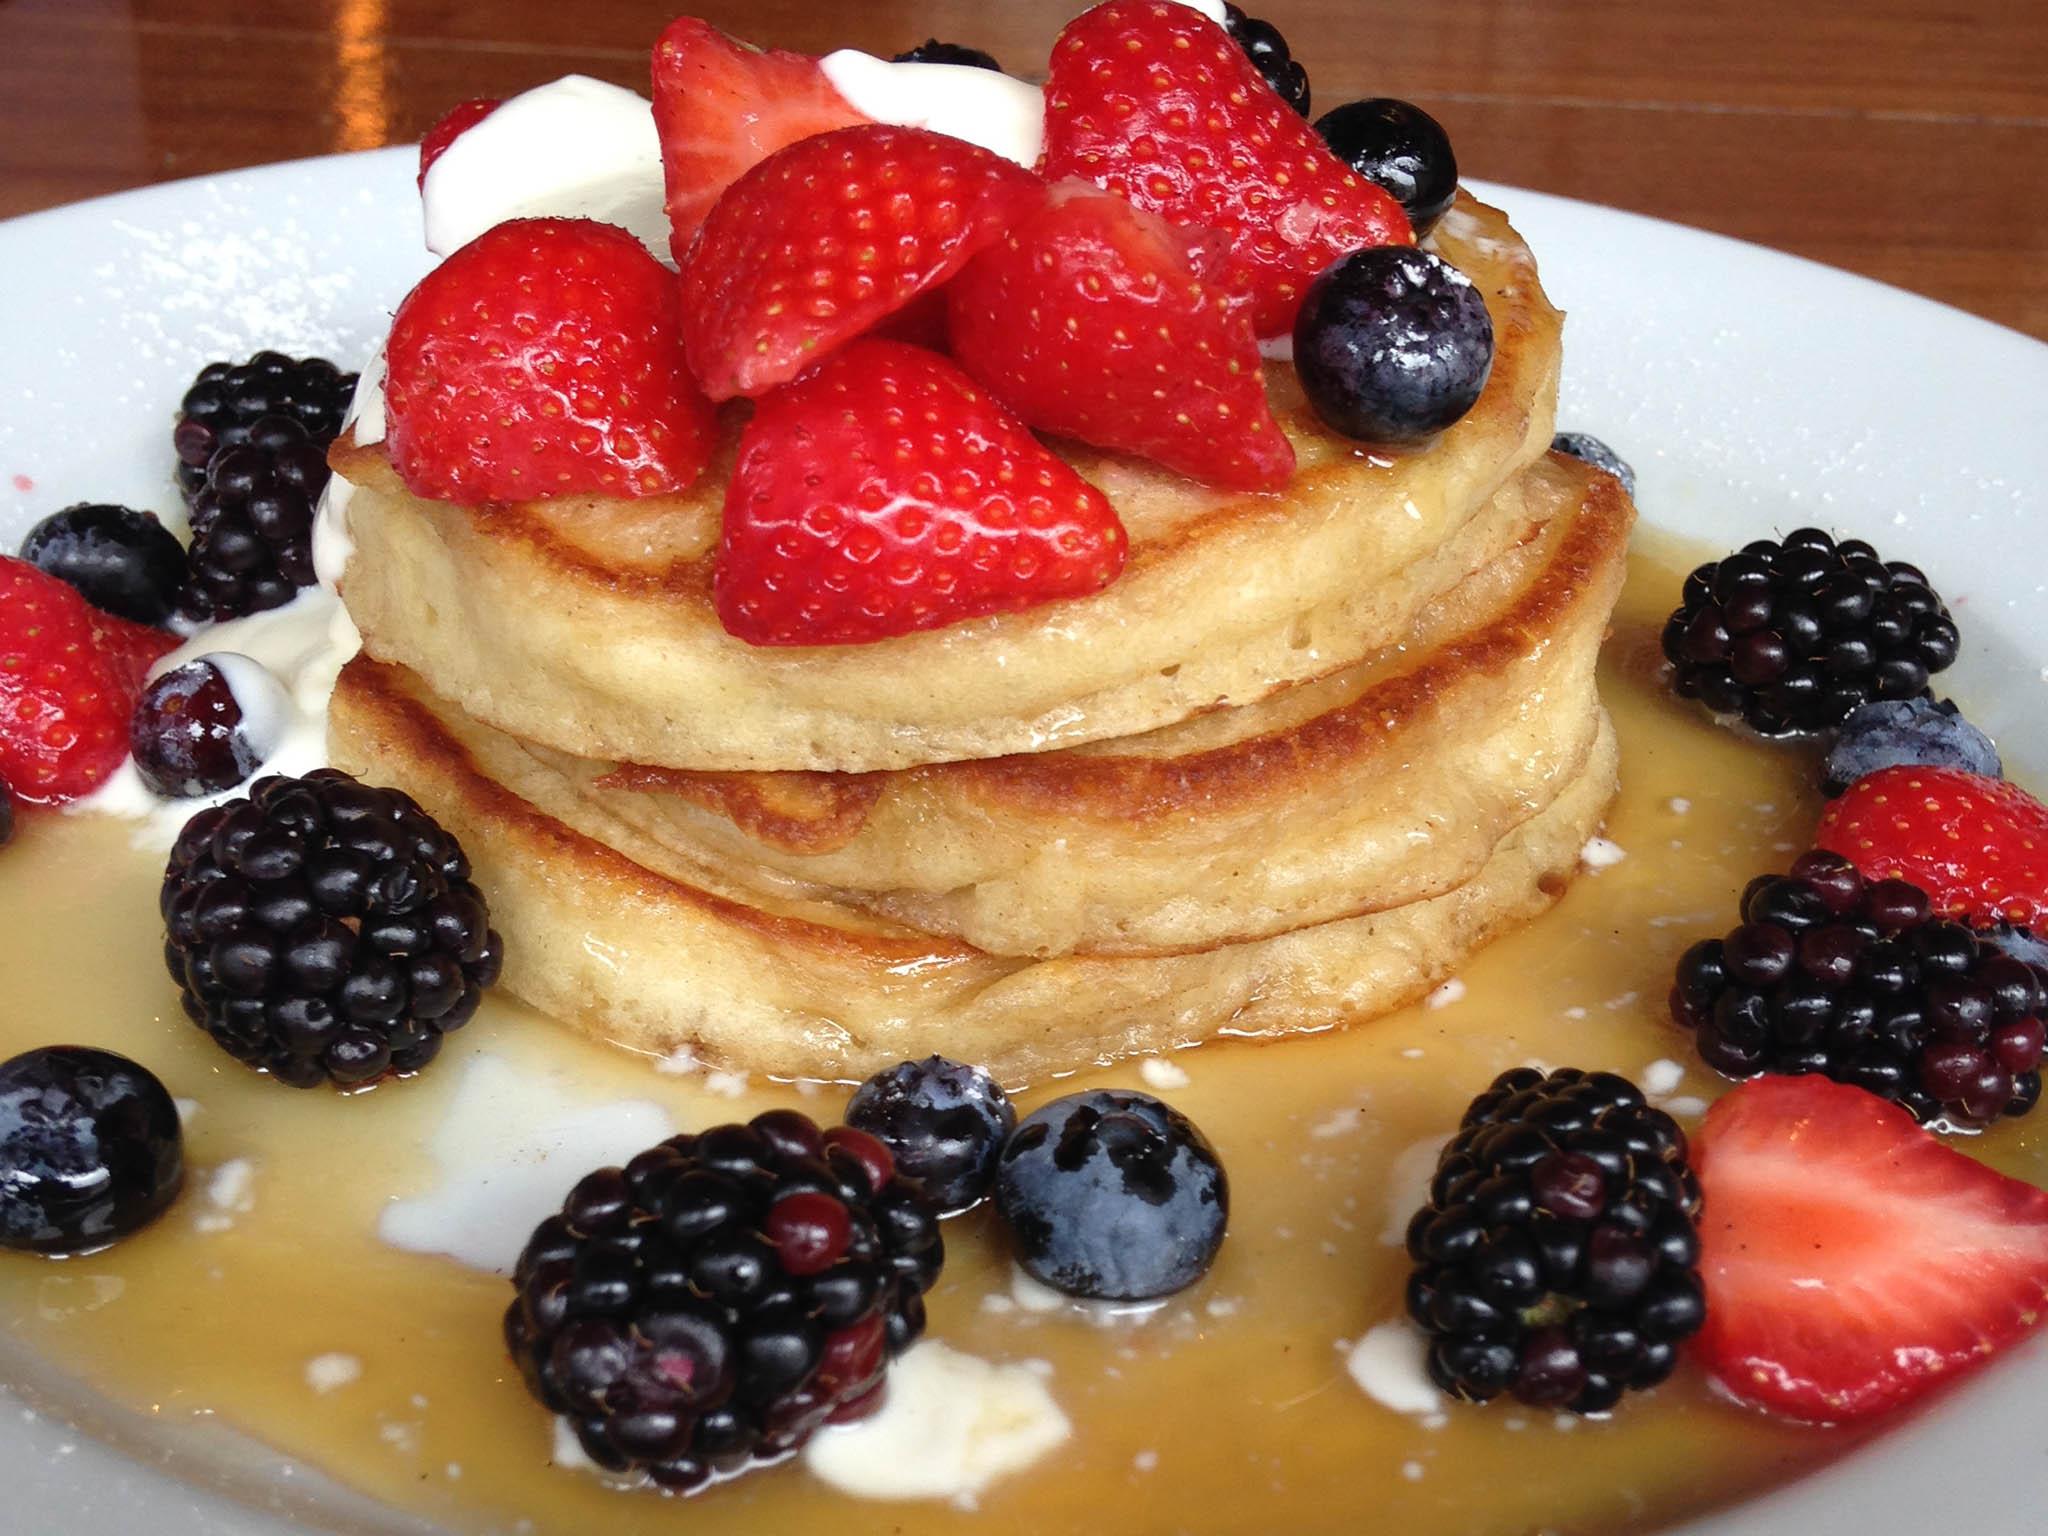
270,1300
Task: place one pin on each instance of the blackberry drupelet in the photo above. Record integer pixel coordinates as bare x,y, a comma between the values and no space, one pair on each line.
1267,49
226,401
712,1304
932,51
252,523
1859,982
1795,636
1557,1258
325,931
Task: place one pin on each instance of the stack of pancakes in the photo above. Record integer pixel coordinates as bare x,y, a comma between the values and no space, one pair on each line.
1303,757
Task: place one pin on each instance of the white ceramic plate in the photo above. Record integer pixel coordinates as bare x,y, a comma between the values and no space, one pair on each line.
1752,391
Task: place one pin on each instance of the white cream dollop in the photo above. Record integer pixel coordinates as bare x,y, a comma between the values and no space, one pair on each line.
999,112
573,148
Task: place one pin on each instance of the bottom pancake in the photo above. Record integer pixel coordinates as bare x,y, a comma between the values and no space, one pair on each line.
603,932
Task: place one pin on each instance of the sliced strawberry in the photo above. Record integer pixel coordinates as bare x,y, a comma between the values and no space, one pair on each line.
1852,1262
1160,105
721,107
1977,846
457,121
1094,320
883,493
828,238
69,677
543,359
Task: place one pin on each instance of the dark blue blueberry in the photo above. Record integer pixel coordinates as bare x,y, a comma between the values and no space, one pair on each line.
1588,448
1264,45
1113,1195
1392,344
90,1149
944,1123
2020,943
1888,732
121,561
932,51
1399,147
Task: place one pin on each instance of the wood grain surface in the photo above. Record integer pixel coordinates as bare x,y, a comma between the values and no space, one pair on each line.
1904,139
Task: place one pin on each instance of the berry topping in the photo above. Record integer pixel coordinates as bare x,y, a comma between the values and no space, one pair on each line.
883,493
1557,1256
226,401
1264,45
1132,344
1588,449
828,238
541,359
121,561
207,726
90,1150
69,676
1890,733
1159,105
943,1123
721,1298
1113,1195
1392,345
1977,846
1796,636
1858,981
932,51
252,522
722,107
325,931
1852,1262
1398,146
458,120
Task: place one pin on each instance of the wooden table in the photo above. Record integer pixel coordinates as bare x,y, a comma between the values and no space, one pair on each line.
1906,139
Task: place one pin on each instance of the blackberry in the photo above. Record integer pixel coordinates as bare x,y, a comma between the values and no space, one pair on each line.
90,1149
121,561
252,523
226,401
932,51
1859,982
325,931
1557,1258
712,1304
1268,51
1796,636
943,1123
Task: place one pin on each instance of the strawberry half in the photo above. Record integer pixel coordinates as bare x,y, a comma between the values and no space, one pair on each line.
1852,1262
1977,846
721,107
1095,320
883,492
1157,103
543,359
69,678
454,123
829,237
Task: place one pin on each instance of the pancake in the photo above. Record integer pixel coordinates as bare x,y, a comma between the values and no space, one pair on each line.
587,625
1386,783
605,933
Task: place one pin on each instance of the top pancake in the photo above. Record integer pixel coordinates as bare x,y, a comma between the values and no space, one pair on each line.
587,625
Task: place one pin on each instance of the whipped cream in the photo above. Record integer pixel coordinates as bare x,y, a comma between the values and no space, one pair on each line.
573,148
1213,9
999,112
332,545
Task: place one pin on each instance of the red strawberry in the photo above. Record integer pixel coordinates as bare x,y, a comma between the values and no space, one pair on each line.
457,121
1095,320
883,493
69,677
542,359
1977,846
722,107
1852,1262
1159,104
828,238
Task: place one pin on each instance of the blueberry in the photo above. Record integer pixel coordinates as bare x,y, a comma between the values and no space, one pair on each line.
6,814
90,1149
1399,147
1392,344
932,51
1267,48
1887,732
189,735
1113,1195
944,1123
1587,448
121,561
